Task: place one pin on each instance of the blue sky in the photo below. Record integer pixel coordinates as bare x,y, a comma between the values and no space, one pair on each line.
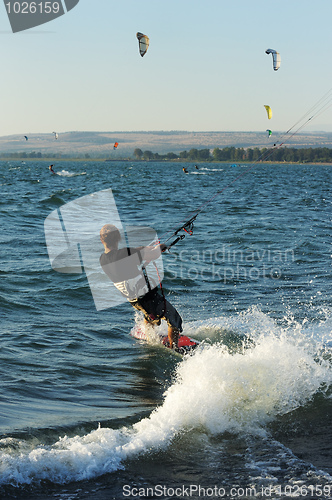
205,70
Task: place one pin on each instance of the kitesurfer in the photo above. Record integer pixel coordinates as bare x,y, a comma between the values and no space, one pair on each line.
125,267
51,169
185,170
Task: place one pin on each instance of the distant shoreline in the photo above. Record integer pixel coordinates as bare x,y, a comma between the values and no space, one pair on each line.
100,145
55,161
68,149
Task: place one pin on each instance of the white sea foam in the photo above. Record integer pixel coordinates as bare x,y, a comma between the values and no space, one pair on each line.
65,173
215,390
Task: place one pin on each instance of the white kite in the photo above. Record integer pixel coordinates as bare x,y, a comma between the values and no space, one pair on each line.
276,58
143,42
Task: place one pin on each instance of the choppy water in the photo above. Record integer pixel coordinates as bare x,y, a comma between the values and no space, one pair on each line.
87,412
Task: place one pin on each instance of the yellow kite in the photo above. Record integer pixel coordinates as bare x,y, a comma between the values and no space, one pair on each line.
269,111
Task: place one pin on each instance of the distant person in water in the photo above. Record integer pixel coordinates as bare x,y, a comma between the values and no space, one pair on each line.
196,167
185,170
51,169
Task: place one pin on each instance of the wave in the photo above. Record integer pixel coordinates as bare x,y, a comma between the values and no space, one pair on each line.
248,373
65,173
211,169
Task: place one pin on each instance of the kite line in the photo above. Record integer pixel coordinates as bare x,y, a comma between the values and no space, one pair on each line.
322,105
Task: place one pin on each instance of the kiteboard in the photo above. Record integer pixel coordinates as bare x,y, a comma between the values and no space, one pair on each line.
186,345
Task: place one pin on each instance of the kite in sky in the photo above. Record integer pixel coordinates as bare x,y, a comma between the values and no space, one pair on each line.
143,42
269,111
276,58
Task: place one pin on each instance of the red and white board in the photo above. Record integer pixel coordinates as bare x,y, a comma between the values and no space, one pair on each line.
185,344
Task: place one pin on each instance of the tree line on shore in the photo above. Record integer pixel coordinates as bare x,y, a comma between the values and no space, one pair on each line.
232,154
227,154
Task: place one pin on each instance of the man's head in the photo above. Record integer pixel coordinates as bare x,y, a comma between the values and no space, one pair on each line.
110,236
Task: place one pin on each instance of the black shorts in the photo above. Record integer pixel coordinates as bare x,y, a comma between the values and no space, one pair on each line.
155,308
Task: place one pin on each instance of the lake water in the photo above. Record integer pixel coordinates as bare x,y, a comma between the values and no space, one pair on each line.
88,412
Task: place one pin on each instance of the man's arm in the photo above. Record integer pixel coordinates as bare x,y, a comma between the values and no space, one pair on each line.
153,252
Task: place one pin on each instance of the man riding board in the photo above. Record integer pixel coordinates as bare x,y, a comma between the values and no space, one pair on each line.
126,268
